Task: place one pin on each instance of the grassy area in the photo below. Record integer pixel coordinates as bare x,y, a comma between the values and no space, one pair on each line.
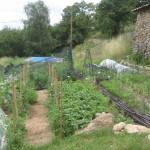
100,140
134,89
115,48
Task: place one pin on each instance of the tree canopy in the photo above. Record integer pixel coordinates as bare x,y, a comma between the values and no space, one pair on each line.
11,42
113,15
37,29
82,19
80,15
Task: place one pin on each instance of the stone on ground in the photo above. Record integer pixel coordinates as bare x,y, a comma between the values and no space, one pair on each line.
103,120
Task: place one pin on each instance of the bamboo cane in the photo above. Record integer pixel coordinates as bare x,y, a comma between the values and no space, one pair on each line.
56,89
21,87
61,127
15,109
23,73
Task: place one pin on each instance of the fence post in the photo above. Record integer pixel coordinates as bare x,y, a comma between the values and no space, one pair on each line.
26,72
15,109
23,73
61,127
21,87
49,74
56,89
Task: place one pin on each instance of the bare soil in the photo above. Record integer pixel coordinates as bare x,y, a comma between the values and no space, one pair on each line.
37,128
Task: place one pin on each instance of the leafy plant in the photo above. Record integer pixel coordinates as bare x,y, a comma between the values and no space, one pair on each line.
80,103
39,77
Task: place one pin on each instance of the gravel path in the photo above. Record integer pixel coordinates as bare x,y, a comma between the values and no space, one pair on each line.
38,132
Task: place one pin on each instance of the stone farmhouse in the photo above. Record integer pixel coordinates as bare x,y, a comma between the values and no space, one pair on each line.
141,39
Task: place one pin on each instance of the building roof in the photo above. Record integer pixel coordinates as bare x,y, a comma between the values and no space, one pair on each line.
146,6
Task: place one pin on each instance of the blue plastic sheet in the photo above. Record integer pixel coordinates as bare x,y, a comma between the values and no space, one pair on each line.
44,59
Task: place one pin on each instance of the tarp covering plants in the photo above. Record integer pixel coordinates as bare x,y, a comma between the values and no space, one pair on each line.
113,65
2,130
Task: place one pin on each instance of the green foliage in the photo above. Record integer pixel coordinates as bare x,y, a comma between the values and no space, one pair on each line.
113,15
37,29
80,103
6,95
82,24
29,94
140,59
62,70
39,77
11,42
133,89
15,141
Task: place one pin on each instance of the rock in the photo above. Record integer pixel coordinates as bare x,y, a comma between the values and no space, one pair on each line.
143,129
103,120
129,128
118,127
148,136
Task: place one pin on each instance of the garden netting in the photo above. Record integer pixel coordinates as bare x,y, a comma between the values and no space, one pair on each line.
2,130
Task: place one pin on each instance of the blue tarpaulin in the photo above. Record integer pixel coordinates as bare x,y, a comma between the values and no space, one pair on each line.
44,59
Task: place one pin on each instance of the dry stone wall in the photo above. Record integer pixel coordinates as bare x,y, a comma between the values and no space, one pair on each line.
141,41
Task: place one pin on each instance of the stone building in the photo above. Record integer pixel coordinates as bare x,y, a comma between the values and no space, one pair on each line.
141,40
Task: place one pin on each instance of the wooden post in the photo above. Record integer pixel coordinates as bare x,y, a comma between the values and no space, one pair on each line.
56,89
15,109
26,72
61,127
23,73
21,87
49,75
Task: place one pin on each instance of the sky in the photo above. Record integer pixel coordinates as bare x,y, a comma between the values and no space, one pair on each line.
12,11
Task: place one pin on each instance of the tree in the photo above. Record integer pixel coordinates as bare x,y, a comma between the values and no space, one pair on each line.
113,15
11,42
81,17
37,29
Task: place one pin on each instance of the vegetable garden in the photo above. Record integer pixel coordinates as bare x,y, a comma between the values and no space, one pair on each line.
71,103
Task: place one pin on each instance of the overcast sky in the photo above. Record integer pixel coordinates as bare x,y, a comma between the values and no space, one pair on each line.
12,11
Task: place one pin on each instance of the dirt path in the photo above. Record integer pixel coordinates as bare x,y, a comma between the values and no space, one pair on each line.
37,129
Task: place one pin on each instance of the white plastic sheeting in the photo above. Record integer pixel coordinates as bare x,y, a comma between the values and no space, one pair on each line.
113,65
2,130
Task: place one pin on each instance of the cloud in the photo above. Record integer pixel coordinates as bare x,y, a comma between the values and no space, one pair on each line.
12,11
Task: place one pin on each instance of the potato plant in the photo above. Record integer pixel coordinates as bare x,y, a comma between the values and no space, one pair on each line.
80,103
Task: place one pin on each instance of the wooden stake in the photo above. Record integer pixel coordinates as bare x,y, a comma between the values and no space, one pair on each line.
61,127
15,109
21,87
26,72
56,89
49,70
23,73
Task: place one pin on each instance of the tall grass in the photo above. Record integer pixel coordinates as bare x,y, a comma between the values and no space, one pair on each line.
114,48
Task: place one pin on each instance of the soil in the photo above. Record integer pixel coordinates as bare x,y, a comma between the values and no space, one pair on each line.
37,128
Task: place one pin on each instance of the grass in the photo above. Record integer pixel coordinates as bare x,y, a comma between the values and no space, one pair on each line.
100,140
114,48
4,61
133,89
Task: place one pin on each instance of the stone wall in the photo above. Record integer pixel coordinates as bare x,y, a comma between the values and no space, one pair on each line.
141,40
